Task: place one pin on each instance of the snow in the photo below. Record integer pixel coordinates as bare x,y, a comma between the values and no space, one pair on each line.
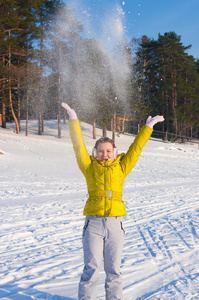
42,195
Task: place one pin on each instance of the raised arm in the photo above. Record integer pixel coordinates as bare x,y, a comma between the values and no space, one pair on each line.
132,155
82,155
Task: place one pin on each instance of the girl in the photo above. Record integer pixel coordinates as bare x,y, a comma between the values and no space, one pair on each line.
103,233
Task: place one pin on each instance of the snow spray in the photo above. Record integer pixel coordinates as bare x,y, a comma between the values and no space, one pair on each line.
98,46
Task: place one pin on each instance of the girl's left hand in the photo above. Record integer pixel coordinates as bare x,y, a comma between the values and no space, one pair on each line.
150,122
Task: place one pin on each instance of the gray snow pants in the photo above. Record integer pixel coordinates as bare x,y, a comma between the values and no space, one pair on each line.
103,237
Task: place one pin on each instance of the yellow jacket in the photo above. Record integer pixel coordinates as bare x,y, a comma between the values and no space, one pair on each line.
105,178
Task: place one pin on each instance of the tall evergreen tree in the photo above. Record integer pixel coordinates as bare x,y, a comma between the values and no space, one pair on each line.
164,69
16,29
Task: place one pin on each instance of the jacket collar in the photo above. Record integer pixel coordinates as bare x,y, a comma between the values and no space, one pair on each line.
107,163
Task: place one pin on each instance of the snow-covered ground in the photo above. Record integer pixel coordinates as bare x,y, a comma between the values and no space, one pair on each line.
42,195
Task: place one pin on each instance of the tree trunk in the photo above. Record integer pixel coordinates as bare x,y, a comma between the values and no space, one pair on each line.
27,101
59,97
10,90
104,132
114,126
18,104
94,130
63,95
11,108
174,102
3,115
41,125
3,100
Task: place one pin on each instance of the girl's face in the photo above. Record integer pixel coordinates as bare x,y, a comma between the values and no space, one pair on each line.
105,151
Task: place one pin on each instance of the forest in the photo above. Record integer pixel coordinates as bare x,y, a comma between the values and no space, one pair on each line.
45,59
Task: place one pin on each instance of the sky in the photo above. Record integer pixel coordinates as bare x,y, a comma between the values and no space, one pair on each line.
113,20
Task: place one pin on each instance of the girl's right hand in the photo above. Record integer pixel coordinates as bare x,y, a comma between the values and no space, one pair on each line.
71,113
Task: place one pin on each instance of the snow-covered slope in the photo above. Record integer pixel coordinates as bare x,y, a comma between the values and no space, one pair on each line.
42,195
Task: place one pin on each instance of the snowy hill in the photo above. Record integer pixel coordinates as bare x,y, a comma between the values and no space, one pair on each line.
42,196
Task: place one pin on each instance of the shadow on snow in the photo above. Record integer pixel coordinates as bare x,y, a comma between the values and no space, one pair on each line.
15,292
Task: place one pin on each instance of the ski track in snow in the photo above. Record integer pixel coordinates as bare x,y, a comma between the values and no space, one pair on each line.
42,196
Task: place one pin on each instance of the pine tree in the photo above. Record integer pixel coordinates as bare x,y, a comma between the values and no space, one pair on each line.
16,29
164,70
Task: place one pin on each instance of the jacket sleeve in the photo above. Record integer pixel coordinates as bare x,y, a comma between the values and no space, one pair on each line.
82,155
132,155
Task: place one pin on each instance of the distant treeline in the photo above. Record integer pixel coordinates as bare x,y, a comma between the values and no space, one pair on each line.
44,60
